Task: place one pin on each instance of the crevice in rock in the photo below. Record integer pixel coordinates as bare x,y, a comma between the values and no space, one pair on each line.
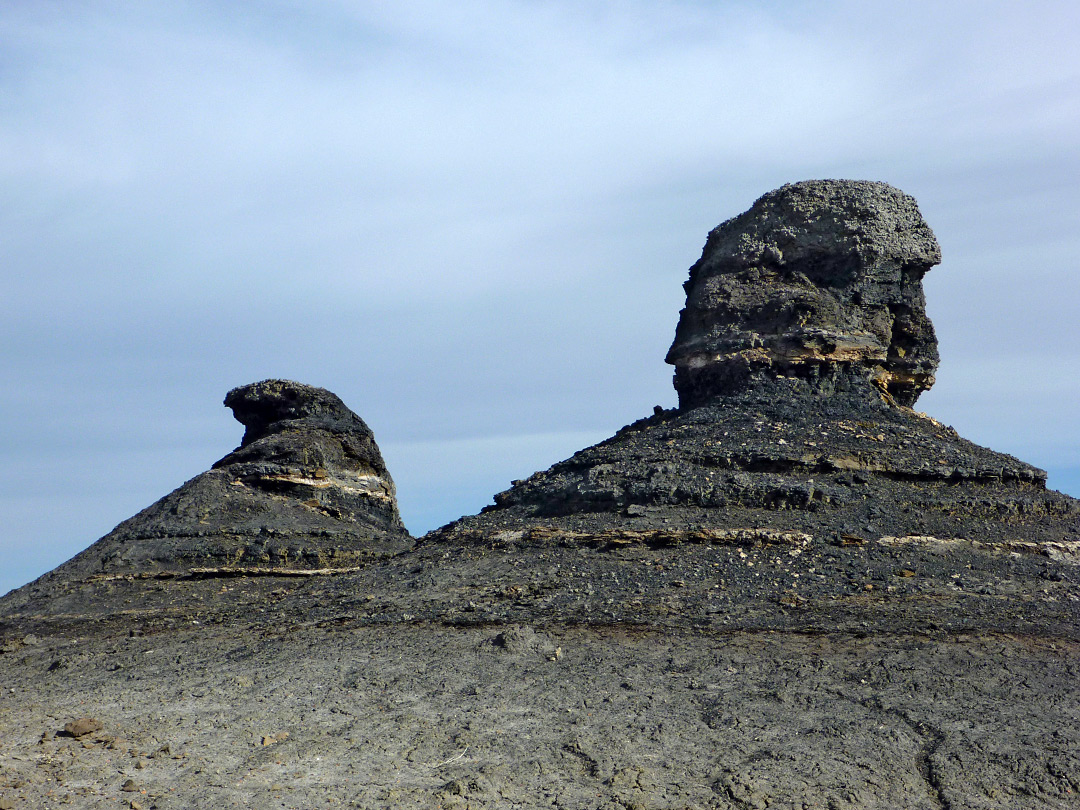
932,741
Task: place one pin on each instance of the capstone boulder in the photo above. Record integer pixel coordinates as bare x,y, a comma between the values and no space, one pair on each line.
817,280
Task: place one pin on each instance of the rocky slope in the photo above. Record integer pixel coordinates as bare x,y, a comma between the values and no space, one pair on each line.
306,487
793,591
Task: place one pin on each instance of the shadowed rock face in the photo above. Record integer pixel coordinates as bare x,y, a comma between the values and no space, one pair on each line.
817,280
306,488
274,406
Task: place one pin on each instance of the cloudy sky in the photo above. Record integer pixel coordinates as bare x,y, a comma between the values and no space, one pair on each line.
471,221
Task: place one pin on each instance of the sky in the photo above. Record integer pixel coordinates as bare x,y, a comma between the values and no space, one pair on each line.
472,221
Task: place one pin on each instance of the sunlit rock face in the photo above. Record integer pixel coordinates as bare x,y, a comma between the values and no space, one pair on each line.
818,280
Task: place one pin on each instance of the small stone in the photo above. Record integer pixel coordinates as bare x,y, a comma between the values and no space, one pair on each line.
140,765
134,805
7,804
82,727
129,786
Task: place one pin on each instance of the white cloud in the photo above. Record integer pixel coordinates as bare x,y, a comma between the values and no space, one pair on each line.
225,152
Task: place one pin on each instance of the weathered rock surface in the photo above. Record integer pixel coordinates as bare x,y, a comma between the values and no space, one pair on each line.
794,591
307,487
818,279
804,335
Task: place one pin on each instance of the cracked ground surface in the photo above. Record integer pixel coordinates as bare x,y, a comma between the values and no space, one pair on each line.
555,673
562,717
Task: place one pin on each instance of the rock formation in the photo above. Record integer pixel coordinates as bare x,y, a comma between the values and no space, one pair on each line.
792,591
803,341
817,280
307,487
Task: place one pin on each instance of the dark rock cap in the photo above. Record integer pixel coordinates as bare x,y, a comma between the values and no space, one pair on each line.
819,279
287,409
261,407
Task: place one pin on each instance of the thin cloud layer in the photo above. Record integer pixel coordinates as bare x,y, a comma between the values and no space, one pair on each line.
471,221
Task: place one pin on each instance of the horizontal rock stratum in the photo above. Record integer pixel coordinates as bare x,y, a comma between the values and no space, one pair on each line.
792,591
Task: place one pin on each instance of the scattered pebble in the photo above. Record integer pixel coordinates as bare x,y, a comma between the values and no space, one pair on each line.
82,727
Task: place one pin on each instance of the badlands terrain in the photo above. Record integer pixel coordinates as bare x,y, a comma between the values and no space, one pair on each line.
792,591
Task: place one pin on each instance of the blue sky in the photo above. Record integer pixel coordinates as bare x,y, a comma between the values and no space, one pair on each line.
472,220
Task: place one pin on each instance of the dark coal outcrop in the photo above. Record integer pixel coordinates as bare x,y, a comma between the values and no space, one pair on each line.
793,465
792,591
306,488
786,456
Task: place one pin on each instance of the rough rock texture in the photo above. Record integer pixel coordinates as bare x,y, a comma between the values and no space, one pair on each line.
792,592
307,487
803,341
817,279
787,456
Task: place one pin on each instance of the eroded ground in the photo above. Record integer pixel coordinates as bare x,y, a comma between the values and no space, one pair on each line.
428,715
